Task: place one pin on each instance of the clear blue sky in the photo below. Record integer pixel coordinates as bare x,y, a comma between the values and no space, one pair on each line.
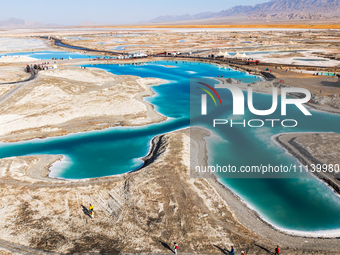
73,12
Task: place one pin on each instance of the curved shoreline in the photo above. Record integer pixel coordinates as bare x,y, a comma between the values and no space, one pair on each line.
233,199
147,160
151,117
285,140
327,234
251,219
154,150
243,213
262,90
151,156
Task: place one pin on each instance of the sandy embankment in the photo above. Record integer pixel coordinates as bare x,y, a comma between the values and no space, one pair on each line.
325,103
247,216
21,44
315,148
322,144
5,88
265,87
159,203
305,58
70,99
12,74
17,59
320,103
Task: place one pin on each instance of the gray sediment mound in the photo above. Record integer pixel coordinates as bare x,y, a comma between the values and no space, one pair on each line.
325,100
320,100
231,81
317,149
267,84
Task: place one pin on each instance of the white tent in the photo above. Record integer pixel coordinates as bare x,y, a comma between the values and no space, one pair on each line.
226,55
238,55
139,55
220,54
244,55
241,56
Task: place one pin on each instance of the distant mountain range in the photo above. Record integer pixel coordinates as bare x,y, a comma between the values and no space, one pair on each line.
273,10
21,23
280,9
90,24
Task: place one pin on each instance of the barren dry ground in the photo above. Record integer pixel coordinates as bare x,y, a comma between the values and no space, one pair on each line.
70,99
144,211
140,212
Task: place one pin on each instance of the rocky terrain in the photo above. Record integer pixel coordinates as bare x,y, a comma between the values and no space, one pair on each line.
316,149
311,10
12,74
147,210
144,211
274,9
22,23
73,99
137,212
287,16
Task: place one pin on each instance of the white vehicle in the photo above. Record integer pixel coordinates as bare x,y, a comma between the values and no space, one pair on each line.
139,55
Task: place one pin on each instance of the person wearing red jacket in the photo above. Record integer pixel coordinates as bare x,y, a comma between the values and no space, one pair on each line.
277,250
175,248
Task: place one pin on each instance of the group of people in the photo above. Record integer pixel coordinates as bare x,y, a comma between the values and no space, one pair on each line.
334,74
232,251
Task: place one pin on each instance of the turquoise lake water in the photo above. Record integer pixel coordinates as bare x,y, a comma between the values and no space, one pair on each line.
311,59
263,52
50,54
294,201
77,38
303,204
